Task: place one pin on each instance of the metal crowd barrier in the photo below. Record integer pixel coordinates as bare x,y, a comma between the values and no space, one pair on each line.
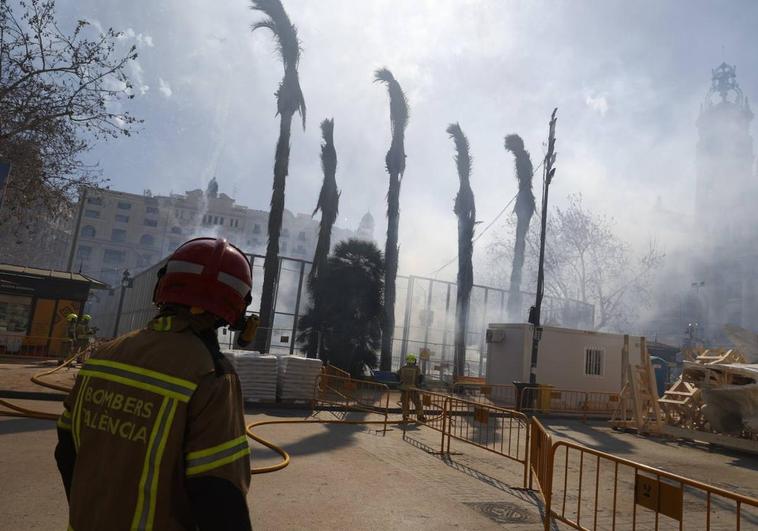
499,394
435,406
547,400
540,464
495,429
359,395
595,490
334,371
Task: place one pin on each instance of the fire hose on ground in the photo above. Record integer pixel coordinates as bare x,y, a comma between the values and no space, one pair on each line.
19,411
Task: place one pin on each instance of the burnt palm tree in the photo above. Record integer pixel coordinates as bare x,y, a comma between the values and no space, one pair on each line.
328,203
395,164
289,100
466,212
524,210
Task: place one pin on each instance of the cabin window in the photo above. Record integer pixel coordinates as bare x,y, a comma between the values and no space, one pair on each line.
593,362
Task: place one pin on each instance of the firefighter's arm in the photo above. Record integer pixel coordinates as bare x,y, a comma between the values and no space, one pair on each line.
65,451
217,456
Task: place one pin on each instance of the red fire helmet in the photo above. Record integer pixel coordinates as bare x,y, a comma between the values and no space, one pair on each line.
209,273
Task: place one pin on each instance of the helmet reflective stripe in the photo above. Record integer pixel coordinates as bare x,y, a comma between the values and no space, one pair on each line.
179,266
233,282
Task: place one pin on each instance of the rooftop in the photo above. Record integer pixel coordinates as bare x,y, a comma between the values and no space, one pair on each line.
10,269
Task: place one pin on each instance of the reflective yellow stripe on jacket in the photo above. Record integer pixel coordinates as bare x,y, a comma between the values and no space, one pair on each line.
154,381
64,421
216,456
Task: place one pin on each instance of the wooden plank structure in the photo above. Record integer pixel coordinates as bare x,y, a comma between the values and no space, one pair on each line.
638,407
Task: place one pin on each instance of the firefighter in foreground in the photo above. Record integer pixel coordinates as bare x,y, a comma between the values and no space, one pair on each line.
410,377
153,432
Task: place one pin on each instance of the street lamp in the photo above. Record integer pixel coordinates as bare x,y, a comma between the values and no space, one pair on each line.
126,282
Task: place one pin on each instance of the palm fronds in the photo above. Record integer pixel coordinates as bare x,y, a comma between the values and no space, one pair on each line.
289,96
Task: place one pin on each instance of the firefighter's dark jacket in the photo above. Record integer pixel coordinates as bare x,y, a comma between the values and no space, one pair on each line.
153,433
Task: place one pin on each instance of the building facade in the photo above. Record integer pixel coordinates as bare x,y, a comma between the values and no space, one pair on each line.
726,218
120,231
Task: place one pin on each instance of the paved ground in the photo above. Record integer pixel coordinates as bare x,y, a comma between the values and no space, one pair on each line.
350,477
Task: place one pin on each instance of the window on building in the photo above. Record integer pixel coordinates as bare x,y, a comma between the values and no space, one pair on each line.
84,252
95,201
151,222
593,361
176,230
285,233
15,313
122,218
301,236
113,257
256,229
283,247
88,231
147,240
95,214
300,250
151,210
122,205
215,220
118,235
173,244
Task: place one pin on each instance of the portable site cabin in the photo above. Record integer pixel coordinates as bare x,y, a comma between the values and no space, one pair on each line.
568,359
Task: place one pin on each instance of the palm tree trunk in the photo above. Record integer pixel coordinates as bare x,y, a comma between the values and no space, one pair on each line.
391,256
395,164
271,263
524,210
465,209
514,292
328,203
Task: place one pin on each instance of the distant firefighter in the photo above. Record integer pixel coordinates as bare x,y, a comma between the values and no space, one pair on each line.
410,377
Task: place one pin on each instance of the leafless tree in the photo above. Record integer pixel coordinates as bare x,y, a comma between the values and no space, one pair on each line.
586,260
289,100
465,209
60,91
395,163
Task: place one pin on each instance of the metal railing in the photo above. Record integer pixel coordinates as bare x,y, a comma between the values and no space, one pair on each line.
499,394
352,394
547,400
331,370
492,428
495,429
540,464
597,490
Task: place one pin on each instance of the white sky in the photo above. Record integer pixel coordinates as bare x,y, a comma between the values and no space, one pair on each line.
628,79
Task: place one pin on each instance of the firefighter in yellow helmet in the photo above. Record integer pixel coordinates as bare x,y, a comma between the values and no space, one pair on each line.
410,377
82,334
69,344
153,433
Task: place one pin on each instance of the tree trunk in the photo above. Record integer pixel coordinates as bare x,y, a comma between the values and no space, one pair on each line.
271,263
391,253
465,284
514,292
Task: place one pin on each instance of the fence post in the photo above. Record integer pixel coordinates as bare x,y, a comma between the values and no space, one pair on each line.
444,418
527,468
